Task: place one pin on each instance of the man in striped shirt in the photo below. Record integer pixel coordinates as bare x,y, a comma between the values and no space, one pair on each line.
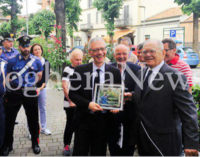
173,59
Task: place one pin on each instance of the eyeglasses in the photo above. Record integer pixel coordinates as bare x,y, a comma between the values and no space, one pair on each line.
98,49
148,51
167,50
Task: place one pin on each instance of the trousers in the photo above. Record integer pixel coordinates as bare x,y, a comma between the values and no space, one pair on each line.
12,103
42,108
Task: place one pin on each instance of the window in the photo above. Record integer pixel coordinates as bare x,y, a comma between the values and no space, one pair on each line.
102,20
126,12
147,37
88,18
89,3
97,18
77,41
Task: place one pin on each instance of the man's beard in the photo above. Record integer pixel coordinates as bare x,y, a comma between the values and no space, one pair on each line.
25,52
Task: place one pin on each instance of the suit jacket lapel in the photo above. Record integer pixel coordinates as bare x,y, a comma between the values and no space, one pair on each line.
107,76
157,82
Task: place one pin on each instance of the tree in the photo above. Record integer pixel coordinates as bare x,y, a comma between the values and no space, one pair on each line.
59,10
12,8
188,7
73,12
42,22
110,11
5,27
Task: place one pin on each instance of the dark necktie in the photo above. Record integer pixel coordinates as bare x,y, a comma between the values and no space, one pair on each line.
96,80
146,81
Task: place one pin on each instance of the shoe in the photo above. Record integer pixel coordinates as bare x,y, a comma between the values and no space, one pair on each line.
46,131
36,149
66,151
6,151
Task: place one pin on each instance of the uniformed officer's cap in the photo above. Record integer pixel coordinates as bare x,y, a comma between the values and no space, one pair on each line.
8,36
24,41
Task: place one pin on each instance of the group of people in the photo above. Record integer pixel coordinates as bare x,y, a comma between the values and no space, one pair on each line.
23,80
158,116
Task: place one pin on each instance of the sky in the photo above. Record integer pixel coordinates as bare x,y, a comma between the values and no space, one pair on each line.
32,6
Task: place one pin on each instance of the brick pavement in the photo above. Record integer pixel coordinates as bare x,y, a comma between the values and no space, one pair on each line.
50,145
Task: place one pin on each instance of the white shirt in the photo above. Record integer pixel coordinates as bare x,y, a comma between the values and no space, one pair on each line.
155,71
102,73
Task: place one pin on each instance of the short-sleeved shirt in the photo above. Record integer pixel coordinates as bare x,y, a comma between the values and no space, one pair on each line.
8,55
183,67
68,71
16,64
45,72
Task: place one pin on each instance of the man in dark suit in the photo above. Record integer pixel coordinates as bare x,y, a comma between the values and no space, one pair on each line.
167,117
127,117
93,124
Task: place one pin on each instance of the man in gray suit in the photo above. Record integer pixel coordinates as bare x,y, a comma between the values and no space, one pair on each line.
167,117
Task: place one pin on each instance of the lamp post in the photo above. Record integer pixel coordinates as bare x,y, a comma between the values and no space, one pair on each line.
27,17
142,6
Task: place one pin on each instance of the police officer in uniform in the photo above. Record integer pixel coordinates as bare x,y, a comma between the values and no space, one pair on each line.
2,91
23,72
8,50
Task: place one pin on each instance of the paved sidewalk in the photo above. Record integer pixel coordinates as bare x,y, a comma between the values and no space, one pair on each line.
50,145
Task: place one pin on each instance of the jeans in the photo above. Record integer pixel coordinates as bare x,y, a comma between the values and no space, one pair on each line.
42,107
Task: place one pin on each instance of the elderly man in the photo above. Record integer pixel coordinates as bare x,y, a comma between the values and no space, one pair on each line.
167,121
76,58
127,117
8,50
173,59
131,57
93,125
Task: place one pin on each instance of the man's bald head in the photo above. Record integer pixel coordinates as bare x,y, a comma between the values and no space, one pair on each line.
121,53
153,52
76,57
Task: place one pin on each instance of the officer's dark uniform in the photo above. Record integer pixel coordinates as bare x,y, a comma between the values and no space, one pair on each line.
15,98
8,55
2,91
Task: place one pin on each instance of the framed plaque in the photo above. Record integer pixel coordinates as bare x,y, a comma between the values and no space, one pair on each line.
109,96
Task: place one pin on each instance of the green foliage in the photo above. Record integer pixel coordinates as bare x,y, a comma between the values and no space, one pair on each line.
189,6
196,95
110,11
52,51
73,12
42,23
5,6
12,8
5,27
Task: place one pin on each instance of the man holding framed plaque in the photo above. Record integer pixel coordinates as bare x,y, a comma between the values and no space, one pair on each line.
93,124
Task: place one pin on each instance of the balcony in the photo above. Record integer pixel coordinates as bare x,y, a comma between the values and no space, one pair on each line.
39,2
123,23
86,27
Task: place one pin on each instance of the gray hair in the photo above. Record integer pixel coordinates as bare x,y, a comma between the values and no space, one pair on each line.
157,42
76,52
94,40
121,45
126,39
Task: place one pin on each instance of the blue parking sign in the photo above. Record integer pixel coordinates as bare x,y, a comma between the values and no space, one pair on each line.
172,33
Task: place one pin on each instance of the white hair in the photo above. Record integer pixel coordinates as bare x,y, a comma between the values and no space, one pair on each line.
121,45
94,40
156,41
76,52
